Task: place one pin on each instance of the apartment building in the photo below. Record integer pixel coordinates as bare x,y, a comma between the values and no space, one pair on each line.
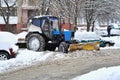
12,12
26,9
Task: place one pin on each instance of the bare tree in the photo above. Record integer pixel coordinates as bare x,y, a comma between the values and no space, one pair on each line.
112,10
6,10
102,10
40,6
69,9
92,10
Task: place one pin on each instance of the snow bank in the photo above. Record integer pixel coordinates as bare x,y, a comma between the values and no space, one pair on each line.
86,36
21,35
24,57
7,37
115,39
27,57
111,73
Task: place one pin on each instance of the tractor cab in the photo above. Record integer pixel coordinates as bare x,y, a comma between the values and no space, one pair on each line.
47,25
50,28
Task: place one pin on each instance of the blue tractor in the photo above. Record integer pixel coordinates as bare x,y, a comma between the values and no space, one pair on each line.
44,33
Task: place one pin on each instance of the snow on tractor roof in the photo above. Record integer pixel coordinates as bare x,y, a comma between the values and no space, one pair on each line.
42,16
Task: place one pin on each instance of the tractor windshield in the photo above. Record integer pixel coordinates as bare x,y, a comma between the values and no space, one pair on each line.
54,23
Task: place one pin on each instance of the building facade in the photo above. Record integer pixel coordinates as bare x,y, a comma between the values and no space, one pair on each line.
9,12
26,10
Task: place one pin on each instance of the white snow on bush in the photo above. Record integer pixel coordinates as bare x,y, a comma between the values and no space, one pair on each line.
111,73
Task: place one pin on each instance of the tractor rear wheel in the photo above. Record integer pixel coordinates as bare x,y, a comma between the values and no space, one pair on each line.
63,47
35,42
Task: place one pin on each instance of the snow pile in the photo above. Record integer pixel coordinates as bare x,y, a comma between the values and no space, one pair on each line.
86,36
27,57
24,57
113,39
21,35
111,73
7,37
116,40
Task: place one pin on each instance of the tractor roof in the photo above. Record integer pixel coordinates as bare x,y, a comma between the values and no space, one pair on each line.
44,16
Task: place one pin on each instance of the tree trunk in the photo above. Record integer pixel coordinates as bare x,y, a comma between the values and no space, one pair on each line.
76,12
69,22
43,7
88,26
93,26
7,27
7,23
75,27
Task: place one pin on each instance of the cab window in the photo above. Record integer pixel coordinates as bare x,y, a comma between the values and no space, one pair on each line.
36,22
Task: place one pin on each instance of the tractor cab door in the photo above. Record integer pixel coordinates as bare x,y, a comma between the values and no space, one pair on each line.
49,26
55,26
46,27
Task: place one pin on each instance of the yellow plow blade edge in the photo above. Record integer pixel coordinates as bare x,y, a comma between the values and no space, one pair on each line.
85,46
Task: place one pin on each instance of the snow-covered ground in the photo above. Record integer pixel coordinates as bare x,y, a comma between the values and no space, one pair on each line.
115,39
27,57
24,57
111,73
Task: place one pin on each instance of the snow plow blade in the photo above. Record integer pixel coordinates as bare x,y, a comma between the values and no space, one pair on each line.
85,46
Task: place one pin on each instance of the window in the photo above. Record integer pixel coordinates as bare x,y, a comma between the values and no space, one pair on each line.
46,25
36,22
54,24
32,2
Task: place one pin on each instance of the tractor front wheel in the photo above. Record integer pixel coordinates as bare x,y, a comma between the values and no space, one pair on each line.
35,42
